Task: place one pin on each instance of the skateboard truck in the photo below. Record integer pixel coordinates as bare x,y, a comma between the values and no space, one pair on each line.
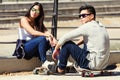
41,70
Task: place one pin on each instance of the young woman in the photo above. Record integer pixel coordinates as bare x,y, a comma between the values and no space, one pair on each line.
35,34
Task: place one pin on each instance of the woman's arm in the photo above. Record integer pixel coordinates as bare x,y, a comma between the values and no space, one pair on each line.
24,23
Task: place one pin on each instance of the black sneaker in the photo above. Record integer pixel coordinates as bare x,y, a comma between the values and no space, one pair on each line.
53,69
110,67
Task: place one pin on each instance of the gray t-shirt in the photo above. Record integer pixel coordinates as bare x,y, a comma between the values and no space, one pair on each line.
96,41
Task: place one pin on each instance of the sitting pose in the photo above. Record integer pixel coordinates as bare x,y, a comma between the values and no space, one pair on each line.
95,52
35,35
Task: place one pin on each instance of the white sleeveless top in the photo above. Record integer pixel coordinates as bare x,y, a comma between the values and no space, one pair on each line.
23,34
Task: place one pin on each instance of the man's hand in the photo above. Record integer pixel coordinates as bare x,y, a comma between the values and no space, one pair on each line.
52,41
55,54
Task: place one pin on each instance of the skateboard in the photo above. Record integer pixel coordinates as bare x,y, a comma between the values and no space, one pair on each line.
42,71
92,73
46,71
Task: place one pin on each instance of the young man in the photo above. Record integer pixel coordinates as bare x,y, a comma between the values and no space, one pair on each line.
95,53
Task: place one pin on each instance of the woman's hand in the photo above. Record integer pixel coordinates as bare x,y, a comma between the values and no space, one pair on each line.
52,41
47,35
55,54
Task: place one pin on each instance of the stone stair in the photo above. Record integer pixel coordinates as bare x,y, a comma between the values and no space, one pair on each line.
11,13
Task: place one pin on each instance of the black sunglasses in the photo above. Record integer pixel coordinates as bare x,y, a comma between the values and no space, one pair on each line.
83,15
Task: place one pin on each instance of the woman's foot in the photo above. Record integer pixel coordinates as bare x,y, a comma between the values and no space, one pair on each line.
47,63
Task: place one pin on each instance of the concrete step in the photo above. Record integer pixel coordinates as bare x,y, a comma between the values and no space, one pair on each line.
12,64
63,17
62,4
9,63
12,12
14,20
68,12
65,10
7,42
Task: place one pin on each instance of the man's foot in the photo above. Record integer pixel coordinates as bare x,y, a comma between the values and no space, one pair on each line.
111,67
77,67
55,69
46,63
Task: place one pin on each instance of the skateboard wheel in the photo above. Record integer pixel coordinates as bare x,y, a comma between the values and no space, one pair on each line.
91,75
101,72
83,74
110,73
48,72
35,71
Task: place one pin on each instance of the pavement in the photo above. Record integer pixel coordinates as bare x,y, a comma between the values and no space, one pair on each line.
68,76
51,77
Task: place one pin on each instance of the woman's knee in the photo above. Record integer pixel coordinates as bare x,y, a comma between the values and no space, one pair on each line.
41,38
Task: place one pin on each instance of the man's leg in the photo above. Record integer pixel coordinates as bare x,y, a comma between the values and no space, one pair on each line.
78,54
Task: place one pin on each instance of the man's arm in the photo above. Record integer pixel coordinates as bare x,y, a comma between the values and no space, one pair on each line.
56,52
80,41
80,31
69,36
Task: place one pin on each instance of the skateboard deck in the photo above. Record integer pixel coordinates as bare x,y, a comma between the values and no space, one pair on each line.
45,71
42,71
91,73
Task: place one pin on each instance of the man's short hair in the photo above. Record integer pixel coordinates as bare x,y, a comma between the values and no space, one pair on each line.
90,9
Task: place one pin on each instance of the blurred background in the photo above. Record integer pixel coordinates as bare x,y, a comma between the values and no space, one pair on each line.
108,13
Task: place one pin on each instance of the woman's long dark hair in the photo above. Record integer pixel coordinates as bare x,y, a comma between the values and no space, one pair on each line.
39,20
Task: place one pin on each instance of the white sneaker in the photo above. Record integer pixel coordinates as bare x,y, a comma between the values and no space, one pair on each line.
69,63
79,69
46,63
